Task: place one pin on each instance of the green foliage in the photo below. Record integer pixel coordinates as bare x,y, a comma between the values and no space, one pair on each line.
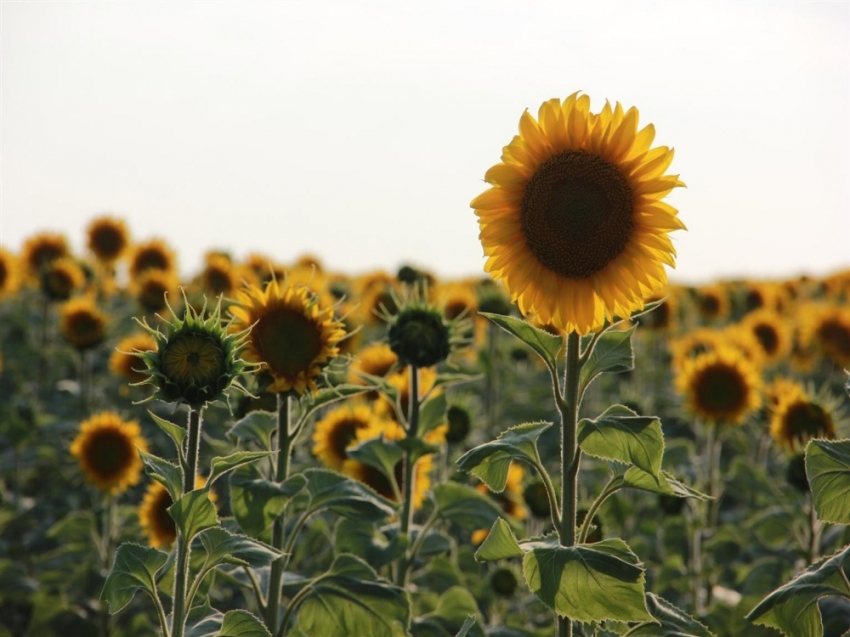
671,621
223,547
455,614
257,501
221,465
545,344
167,474
194,513
612,353
332,491
135,568
465,506
432,413
828,470
175,432
621,435
257,426
240,623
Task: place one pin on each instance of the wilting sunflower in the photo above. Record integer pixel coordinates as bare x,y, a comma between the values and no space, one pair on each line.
712,303
123,362
40,249
82,323
721,387
293,337
574,223
154,519
338,430
61,278
10,278
800,415
107,239
106,449
151,255
510,499
772,333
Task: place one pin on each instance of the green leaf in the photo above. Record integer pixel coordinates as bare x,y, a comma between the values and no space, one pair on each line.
793,607
175,432
592,582
256,501
500,544
168,475
380,453
490,462
257,426
828,470
203,621
221,465
331,395
361,538
647,308
445,379
455,608
134,567
416,447
241,623
621,435
612,353
194,513
467,626
664,483
545,344
465,506
345,496
432,413
673,621
222,546
351,599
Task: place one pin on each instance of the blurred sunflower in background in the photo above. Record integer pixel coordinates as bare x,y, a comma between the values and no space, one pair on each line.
826,327
376,359
712,303
10,275
123,362
82,323
574,223
338,430
107,239
692,344
156,523
721,386
61,278
40,250
511,499
107,451
219,276
799,415
772,333
400,381
293,337
152,289
154,254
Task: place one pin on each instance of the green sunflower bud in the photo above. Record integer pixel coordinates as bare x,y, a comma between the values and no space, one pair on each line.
503,582
419,337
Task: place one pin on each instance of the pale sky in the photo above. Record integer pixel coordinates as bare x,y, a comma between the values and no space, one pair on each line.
360,131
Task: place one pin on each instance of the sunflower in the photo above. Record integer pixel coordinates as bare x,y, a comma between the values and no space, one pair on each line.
310,262
798,416
400,380
10,279
664,317
574,223
151,255
61,278
124,363
152,289
40,249
219,276
338,430
457,299
694,343
712,303
720,386
376,359
293,337
82,323
772,334
108,239
510,499
154,518
827,328
106,450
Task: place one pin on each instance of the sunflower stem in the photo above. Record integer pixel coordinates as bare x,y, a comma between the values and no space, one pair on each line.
409,473
491,380
181,577
284,450
570,456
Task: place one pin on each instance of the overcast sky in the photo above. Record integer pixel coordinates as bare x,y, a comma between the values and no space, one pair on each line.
360,131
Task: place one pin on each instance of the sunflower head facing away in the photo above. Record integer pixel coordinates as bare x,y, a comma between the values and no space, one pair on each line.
82,323
107,239
293,335
720,386
196,360
106,449
574,223
798,415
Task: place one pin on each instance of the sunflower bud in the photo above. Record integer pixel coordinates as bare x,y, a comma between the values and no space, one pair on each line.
503,582
459,424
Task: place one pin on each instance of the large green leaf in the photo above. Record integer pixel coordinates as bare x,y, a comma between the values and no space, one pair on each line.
175,432
134,567
500,544
545,344
663,483
380,453
257,426
673,621
620,434
612,353
221,465
490,462
256,501
222,546
432,413
465,506
344,496
168,475
194,513
793,607
241,623
203,621
592,582
828,470
455,608
351,599
360,538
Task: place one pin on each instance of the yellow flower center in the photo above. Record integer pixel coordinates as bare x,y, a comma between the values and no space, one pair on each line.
193,359
576,213
287,341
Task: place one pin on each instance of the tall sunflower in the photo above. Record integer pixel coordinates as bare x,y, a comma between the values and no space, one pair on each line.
772,333
826,327
293,336
42,248
61,278
799,415
106,449
154,254
574,223
721,386
107,238
82,323
154,518
338,430
712,303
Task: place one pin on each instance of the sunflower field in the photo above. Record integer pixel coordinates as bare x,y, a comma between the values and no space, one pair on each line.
570,445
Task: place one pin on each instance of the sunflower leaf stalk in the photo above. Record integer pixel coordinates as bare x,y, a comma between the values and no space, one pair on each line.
409,473
284,451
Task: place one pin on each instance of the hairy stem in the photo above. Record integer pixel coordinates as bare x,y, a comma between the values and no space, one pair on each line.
284,450
409,473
